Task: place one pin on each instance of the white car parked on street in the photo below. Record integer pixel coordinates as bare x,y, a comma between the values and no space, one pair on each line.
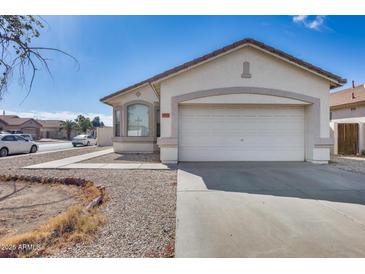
84,140
28,137
14,144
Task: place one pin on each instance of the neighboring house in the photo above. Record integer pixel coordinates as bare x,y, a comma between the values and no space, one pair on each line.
244,102
53,129
26,125
347,112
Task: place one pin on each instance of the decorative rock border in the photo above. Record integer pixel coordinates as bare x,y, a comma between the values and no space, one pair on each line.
55,180
46,180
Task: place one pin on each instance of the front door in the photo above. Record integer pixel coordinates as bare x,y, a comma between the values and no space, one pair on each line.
348,139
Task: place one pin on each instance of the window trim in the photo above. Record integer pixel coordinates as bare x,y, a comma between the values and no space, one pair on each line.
115,109
151,118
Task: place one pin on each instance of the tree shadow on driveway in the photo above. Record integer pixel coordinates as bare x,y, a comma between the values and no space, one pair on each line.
285,179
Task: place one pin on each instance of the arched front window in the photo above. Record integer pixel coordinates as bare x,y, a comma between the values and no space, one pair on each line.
138,120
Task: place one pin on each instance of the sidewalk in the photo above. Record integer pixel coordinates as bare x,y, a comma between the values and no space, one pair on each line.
73,163
70,160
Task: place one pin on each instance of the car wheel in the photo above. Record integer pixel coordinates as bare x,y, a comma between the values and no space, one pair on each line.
33,149
74,145
4,152
88,143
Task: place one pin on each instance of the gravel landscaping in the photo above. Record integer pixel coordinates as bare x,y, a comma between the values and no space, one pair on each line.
126,158
349,163
140,211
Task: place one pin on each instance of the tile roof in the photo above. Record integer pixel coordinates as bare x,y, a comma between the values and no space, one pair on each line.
348,96
13,120
215,53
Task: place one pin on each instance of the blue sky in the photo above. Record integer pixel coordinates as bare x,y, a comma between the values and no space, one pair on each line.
117,51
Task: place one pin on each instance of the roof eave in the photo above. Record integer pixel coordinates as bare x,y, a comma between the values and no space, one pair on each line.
346,105
337,84
4,121
105,99
335,81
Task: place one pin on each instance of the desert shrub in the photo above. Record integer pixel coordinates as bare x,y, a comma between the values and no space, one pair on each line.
76,224
72,225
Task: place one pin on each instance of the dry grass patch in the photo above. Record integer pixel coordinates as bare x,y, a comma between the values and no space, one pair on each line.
76,224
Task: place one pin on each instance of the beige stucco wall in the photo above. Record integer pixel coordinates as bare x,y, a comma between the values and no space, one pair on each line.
2,125
348,112
104,136
52,132
131,147
245,99
56,133
144,93
224,72
267,72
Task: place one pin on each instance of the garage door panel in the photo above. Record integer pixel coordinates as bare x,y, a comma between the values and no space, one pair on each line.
234,154
241,133
247,141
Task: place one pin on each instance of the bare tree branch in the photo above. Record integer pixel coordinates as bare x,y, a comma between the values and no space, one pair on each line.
17,33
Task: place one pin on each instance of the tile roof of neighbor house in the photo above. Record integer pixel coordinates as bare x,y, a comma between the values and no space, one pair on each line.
13,120
348,96
51,123
9,116
232,46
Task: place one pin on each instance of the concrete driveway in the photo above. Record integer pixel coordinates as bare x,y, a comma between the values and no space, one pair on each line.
269,210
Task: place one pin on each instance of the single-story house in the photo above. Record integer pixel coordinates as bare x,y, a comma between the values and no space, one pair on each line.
26,125
348,120
53,129
244,102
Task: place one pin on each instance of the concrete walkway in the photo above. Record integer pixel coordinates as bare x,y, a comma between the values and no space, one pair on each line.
269,210
41,153
73,163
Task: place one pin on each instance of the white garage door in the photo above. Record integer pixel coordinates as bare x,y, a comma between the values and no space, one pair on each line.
241,133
